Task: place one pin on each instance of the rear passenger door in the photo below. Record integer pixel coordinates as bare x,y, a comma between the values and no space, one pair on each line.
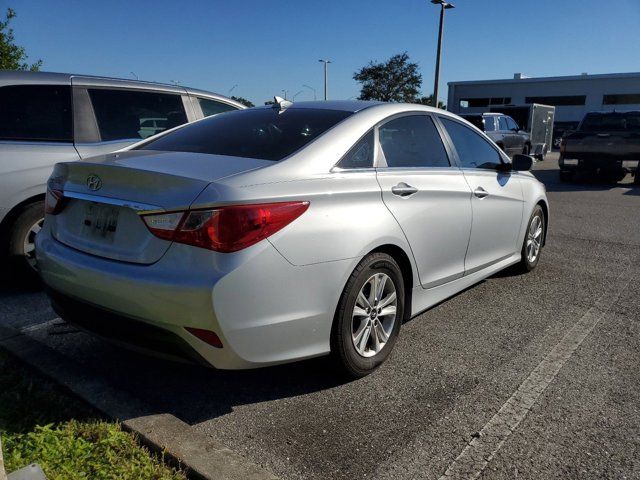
111,117
427,194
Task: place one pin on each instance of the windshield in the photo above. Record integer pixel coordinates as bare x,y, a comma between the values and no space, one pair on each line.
611,122
264,133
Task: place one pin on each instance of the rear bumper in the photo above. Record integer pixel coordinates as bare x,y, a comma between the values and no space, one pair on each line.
123,330
264,310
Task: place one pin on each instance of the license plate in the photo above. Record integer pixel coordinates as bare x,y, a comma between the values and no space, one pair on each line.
100,220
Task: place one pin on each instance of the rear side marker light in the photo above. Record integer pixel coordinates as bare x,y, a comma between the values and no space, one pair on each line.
207,336
225,229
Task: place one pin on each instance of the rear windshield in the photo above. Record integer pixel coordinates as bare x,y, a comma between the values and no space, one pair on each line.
264,133
611,122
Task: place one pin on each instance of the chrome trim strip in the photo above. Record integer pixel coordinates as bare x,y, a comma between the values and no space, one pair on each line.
140,208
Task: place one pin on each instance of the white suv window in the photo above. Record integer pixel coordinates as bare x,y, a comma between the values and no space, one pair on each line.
212,107
36,113
122,113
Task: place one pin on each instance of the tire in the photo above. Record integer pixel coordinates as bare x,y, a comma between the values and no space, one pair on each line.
526,149
566,175
529,261
612,176
350,328
21,236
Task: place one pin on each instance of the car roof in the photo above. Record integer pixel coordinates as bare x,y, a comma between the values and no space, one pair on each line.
485,114
612,112
352,106
7,77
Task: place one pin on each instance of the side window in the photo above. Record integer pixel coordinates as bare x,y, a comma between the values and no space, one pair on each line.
511,123
503,125
124,114
360,155
36,113
489,123
412,141
473,150
211,107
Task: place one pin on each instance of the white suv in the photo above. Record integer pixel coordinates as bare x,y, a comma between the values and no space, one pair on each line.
47,118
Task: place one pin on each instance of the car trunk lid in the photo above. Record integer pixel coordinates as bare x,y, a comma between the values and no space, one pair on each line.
106,196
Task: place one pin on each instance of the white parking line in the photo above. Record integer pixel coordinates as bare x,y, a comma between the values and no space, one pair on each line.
40,326
475,457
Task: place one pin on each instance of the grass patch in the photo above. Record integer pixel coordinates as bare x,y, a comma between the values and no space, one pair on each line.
40,423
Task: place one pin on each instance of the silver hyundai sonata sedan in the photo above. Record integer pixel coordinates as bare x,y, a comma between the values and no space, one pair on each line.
286,232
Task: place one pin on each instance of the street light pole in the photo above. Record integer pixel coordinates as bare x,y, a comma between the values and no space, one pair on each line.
313,90
326,64
443,6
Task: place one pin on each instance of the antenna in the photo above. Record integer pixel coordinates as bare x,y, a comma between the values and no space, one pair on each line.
281,104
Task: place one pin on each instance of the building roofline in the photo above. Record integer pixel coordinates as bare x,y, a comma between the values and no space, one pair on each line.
597,76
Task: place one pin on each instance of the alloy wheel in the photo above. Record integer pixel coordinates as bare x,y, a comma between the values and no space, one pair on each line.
374,315
29,247
534,239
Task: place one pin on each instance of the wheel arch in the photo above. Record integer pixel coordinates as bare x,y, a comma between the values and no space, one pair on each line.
404,262
12,214
545,212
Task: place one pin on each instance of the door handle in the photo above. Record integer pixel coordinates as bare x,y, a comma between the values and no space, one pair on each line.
480,192
403,190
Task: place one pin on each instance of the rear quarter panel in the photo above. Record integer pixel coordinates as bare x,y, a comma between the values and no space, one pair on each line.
346,217
25,169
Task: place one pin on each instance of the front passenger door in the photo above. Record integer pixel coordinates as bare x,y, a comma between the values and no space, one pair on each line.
427,195
497,200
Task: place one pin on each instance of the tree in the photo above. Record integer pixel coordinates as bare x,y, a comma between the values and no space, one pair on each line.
12,57
396,80
242,100
428,101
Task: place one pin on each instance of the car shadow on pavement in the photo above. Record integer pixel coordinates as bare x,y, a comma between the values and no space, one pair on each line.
196,393
582,182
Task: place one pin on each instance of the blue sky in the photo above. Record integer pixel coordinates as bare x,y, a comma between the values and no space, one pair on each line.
267,46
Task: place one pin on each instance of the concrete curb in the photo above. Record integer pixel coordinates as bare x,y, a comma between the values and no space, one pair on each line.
202,456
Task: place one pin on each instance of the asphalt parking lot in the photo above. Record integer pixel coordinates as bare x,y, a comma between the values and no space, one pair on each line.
453,370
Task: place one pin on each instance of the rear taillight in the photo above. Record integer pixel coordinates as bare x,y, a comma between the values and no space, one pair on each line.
225,229
54,199
53,202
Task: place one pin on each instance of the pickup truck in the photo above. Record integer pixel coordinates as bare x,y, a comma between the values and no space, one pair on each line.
606,143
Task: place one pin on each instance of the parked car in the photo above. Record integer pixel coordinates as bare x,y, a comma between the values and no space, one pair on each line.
52,117
503,130
605,143
537,120
279,233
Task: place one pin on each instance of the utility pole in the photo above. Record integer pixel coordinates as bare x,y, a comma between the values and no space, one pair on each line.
326,64
443,6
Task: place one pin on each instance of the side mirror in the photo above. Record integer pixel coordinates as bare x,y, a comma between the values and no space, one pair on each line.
521,163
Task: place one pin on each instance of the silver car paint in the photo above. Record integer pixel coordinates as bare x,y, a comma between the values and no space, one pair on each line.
296,277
